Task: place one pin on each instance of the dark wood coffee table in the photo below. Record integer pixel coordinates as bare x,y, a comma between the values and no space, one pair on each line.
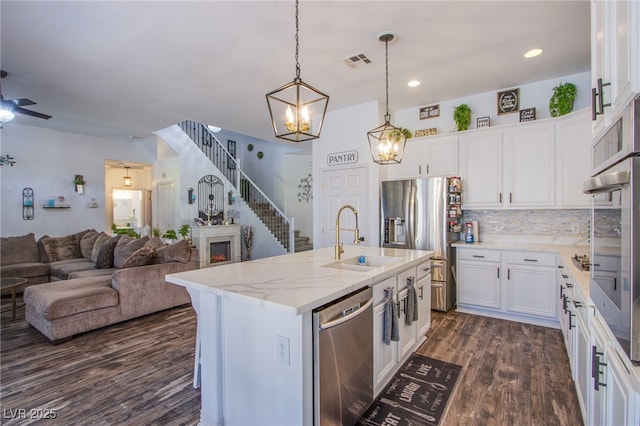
12,283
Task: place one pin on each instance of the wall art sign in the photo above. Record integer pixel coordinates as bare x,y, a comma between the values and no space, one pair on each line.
528,114
508,101
430,111
338,158
426,132
483,122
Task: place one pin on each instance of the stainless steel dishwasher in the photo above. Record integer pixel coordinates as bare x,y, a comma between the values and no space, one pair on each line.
343,359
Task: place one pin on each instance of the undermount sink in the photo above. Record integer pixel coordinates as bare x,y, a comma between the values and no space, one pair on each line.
372,262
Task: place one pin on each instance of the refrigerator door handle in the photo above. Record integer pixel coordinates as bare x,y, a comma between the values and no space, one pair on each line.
410,213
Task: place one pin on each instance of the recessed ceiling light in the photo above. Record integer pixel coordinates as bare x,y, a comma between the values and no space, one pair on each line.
533,53
413,83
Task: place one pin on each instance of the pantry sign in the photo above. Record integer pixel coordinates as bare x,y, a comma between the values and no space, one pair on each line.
338,158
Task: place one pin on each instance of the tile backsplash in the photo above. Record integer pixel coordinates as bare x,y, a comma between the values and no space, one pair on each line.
553,223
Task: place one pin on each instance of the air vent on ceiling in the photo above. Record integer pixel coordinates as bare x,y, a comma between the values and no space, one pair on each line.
357,61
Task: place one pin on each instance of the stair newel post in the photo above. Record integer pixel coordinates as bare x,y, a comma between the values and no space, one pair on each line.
292,237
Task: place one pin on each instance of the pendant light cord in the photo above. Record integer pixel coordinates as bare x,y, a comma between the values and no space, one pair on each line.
387,117
297,44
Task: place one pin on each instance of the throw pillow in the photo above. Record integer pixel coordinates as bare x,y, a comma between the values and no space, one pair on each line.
87,242
105,253
142,256
100,239
126,247
176,252
21,249
62,248
43,253
155,242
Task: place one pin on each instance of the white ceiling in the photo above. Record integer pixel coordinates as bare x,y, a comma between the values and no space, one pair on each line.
120,69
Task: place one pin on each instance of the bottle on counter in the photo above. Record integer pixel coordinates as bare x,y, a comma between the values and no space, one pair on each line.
468,235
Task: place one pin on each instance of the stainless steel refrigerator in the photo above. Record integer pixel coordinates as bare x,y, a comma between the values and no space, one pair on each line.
415,214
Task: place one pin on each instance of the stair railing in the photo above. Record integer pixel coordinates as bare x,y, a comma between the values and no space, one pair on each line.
275,220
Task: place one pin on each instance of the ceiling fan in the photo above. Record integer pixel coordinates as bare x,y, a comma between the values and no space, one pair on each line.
9,107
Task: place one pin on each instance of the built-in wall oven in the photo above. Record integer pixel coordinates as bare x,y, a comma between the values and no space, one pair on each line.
615,229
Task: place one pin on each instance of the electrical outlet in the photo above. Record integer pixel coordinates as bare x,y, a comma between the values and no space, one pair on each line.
575,229
282,349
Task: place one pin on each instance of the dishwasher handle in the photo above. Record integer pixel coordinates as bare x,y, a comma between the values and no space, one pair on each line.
346,318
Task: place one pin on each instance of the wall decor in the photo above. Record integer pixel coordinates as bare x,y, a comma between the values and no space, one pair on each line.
79,181
426,132
260,154
27,204
346,157
7,159
508,101
231,147
528,114
483,122
211,199
305,188
430,111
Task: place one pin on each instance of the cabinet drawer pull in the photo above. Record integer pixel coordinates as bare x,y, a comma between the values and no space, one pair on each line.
530,260
477,256
565,276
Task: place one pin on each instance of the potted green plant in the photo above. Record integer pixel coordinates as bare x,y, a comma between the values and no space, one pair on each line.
561,102
156,232
184,231
170,235
462,117
80,183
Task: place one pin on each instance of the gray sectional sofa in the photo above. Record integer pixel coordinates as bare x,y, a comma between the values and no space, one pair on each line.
90,279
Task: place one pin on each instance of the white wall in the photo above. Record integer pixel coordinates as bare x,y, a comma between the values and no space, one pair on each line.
46,161
297,167
534,95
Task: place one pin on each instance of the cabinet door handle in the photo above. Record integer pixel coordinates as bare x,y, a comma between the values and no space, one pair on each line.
421,296
398,308
594,99
577,304
498,268
478,256
571,315
419,169
615,284
530,260
500,196
601,93
595,368
561,292
565,276
510,198
427,169
508,273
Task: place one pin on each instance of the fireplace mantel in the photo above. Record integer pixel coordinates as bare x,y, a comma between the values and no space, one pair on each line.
203,236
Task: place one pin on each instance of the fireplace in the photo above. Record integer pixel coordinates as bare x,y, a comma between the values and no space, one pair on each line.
217,244
219,251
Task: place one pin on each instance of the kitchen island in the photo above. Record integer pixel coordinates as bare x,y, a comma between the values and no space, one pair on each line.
255,336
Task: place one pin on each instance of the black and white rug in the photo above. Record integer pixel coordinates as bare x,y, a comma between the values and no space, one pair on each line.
416,396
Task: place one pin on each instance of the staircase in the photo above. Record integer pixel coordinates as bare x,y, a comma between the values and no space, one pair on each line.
302,243
280,226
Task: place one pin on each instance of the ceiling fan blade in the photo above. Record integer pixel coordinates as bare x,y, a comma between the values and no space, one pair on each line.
21,102
31,113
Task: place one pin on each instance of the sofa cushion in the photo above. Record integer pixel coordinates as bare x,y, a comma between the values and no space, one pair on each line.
142,256
91,273
65,298
176,252
62,248
105,253
126,247
100,239
25,270
87,242
21,249
62,268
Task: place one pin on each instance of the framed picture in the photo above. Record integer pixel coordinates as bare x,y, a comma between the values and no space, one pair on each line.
426,132
483,122
528,114
508,101
231,147
430,111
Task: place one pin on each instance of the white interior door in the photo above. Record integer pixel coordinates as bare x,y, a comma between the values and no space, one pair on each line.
340,187
165,206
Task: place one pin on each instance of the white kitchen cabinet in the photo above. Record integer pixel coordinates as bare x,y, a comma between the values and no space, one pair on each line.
529,161
615,63
479,283
440,156
531,283
481,169
427,157
573,162
423,292
621,397
385,356
407,332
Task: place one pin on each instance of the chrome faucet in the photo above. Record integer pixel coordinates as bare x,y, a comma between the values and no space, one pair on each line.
356,232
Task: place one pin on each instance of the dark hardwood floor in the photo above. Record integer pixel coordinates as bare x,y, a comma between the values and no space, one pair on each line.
140,372
512,373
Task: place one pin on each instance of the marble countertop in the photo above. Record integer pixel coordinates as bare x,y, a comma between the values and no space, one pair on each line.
298,282
565,251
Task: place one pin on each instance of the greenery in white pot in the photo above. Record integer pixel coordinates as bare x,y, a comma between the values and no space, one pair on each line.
562,100
462,117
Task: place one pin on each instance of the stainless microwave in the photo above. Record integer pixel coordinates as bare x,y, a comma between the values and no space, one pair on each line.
615,240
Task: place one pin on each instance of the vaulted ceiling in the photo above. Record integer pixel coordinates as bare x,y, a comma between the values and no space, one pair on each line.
126,69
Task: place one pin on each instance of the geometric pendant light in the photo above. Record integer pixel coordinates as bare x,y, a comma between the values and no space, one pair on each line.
387,142
293,106
127,179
